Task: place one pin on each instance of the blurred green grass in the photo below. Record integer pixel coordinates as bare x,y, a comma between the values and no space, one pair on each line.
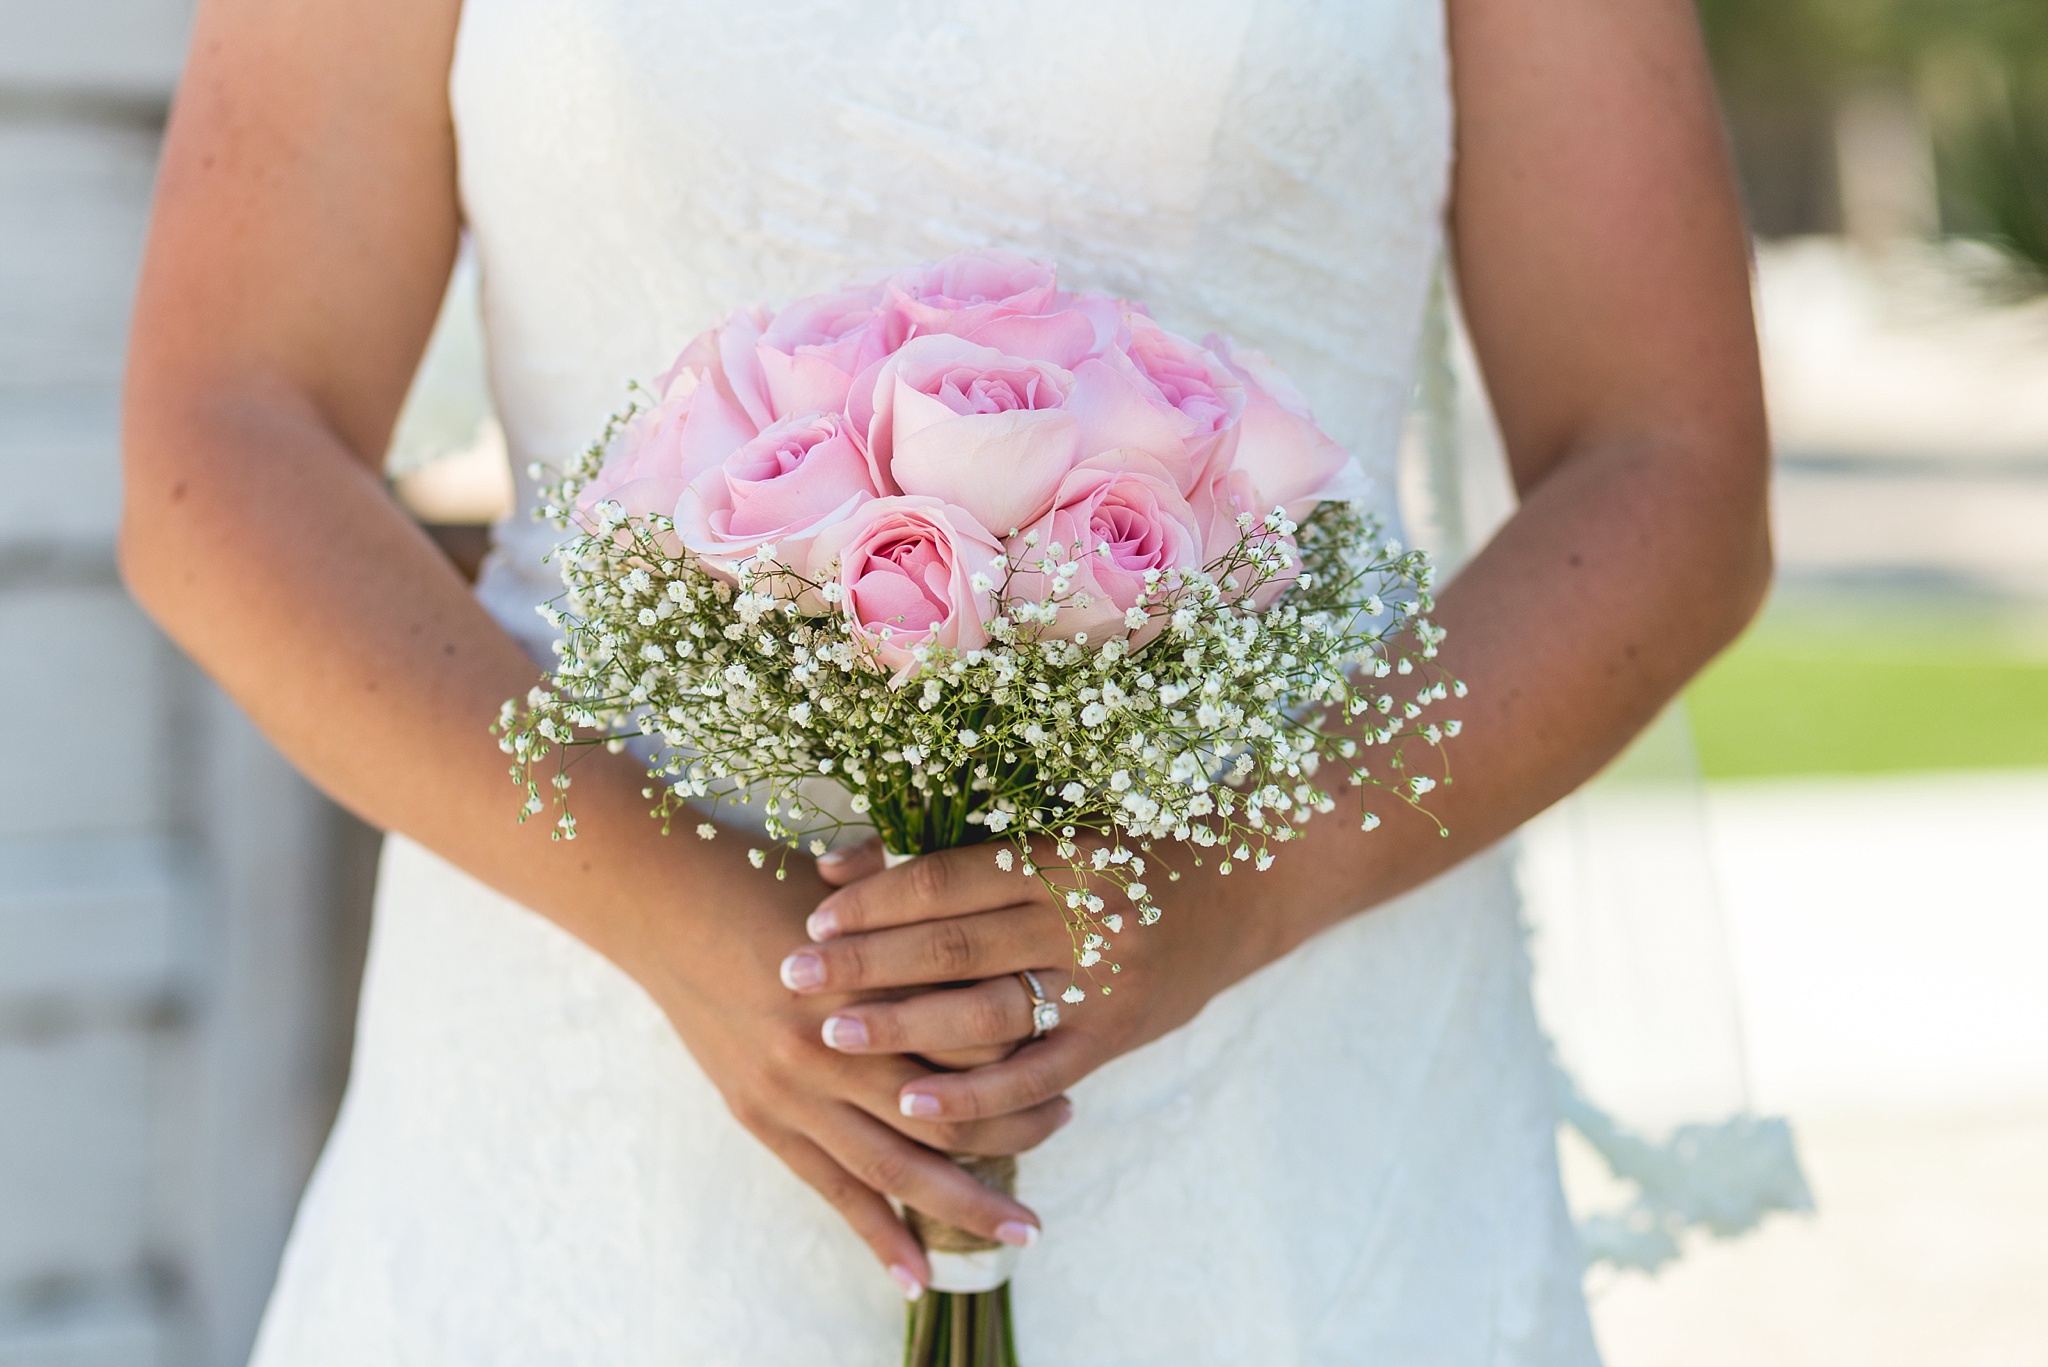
1874,688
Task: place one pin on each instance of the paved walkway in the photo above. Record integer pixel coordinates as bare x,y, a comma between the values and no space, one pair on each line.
1890,940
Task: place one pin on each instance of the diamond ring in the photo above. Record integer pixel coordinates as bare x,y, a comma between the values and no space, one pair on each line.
1045,1014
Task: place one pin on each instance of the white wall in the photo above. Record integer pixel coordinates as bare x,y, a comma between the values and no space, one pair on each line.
179,913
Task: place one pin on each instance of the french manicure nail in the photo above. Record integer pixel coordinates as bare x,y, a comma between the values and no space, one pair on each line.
918,1104
1016,1234
905,1278
801,970
823,924
845,1032
1066,1111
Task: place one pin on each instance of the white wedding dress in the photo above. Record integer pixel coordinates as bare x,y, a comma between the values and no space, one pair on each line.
1347,1158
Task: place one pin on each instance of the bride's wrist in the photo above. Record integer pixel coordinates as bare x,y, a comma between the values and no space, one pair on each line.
1311,887
644,899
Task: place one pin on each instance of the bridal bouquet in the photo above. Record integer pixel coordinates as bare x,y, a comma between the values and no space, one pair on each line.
961,556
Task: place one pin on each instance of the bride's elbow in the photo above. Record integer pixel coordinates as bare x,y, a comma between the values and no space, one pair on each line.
153,488
179,490
1744,561
1756,566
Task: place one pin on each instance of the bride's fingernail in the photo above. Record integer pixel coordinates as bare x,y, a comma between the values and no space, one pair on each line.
823,924
845,1032
919,1104
1066,1114
801,970
906,1279
1016,1234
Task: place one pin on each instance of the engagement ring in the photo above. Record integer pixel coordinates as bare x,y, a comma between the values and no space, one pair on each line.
1045,1014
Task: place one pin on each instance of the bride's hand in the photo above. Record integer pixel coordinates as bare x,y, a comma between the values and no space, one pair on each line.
955,917
822,1110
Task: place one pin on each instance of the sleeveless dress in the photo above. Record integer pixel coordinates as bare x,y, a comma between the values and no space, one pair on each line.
1347,1158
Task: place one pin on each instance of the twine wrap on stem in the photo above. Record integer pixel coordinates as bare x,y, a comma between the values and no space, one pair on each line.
964,1319
962,1262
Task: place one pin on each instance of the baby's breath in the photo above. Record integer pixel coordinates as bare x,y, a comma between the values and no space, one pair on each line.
1216,739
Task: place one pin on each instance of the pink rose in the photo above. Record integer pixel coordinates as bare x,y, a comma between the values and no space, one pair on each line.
810,351
1159,394
1004,300
1115,516
1223,494
967,424
643,472
1276,457
1218,501
1290,462
1191,382
797,476
905,569
971,288
732,364
711,402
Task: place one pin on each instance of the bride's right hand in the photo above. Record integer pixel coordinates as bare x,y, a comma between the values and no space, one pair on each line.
834,1118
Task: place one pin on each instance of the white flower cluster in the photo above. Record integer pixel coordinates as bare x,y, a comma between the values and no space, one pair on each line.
1305,652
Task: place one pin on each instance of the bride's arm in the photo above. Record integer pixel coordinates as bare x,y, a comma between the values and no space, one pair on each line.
1604,268
305,225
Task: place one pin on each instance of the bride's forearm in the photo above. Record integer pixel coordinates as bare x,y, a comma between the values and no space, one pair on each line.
1624,571
277,561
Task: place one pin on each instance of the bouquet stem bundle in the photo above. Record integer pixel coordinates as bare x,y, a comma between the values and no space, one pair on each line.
951,1330
956,1328
963,1328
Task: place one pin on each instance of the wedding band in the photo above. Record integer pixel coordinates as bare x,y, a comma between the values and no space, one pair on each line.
1045,1014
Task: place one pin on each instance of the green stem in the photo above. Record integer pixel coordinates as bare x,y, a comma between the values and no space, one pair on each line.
948,1330
959,1332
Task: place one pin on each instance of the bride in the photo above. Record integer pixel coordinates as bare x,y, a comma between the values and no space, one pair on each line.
626,1101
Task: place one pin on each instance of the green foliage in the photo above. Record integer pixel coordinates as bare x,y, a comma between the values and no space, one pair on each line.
1994,166
1979,68
1912,687
1824,44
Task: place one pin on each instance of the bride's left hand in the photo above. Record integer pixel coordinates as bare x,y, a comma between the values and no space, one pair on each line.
954,917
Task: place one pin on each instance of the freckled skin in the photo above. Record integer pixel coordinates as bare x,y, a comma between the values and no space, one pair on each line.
305,227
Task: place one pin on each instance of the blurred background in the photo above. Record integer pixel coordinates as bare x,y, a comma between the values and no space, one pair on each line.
182,919
1876,748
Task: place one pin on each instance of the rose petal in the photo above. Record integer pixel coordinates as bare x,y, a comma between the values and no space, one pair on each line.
1001,467
1126,498
795,478
911,412
1288,457
891,554
831,474
889,596
739,360
1114,415
803,383
1063,339
714,430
